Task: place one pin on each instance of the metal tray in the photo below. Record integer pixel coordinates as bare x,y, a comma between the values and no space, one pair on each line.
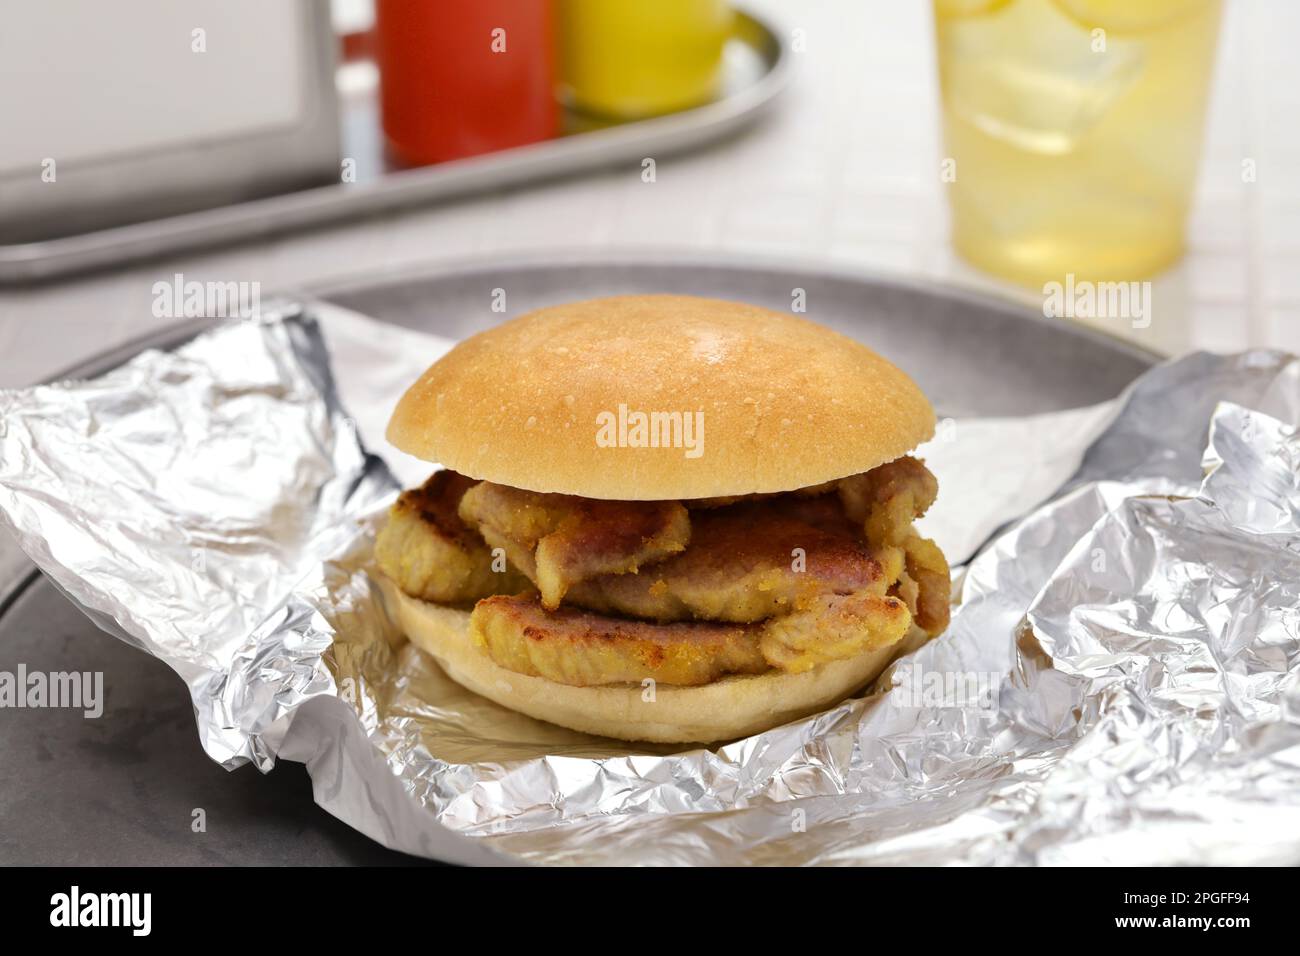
121,789
756,68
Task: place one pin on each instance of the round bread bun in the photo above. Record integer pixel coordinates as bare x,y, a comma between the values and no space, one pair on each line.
727,709
786,403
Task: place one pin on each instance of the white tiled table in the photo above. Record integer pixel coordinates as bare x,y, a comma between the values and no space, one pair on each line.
845,173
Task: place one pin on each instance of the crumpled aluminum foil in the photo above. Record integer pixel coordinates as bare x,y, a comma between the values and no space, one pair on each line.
1119,684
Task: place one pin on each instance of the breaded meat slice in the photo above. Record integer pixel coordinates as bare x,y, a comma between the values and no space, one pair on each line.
834,627
559,540
746,562
434,556
927,566
583,649
886,500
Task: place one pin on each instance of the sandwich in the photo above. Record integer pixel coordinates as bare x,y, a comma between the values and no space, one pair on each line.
664,518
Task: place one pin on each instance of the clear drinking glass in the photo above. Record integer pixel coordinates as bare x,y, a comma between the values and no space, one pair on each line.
1073,128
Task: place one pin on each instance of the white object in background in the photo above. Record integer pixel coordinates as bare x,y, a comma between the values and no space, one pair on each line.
114,112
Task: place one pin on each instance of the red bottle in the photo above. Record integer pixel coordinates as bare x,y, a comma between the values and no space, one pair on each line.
463,77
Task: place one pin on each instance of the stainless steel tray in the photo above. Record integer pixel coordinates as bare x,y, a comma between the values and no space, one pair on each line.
756,69
120,789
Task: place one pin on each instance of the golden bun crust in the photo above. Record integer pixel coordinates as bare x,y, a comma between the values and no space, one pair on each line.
728,709
786,403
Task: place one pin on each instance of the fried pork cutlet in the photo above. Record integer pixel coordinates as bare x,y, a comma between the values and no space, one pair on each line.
889,498
833,627
652,590
746,562
741,563
928,568
433,555
886,500
576,647
559,540
572,646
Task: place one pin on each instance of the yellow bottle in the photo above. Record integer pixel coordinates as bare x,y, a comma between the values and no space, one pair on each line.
1073,131
627,59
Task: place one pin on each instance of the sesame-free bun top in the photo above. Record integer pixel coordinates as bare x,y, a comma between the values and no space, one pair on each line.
550,402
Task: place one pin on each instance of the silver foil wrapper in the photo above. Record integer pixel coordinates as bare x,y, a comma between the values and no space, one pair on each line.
1119,683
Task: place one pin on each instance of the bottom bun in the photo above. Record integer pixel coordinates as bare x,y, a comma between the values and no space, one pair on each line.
723,710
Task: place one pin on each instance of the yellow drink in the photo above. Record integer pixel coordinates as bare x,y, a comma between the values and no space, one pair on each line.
1075,127
633,58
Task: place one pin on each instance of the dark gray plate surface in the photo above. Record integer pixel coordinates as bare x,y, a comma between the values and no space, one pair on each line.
122,789
970,353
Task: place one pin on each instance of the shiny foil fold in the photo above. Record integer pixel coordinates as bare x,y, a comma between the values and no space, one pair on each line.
1119,683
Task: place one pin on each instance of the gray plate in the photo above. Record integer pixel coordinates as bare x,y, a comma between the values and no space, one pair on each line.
972,354
121,789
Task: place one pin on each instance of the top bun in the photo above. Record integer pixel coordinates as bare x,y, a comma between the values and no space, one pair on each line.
551,401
